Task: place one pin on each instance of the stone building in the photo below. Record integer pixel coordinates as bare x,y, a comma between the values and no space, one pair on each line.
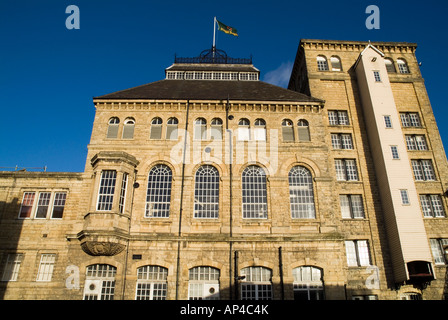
211,184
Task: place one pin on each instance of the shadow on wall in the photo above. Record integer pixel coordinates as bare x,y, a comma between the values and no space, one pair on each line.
10,230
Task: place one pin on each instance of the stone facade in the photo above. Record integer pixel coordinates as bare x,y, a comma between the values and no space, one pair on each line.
113,247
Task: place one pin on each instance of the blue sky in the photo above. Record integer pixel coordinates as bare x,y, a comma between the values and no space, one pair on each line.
49,74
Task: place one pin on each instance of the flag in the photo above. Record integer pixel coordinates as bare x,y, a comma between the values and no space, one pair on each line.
226,29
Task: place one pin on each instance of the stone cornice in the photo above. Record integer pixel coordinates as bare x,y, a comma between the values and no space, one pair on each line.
386,47
176,105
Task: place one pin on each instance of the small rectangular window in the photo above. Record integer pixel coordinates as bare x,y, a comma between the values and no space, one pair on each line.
376,74
12,267
357,253
387,121
404,197
27,205
46,267
394,151
42,204
58,205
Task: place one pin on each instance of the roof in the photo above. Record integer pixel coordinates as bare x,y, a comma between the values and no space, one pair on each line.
210,90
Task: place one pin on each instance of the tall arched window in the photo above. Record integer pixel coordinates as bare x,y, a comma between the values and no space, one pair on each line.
156,129
151,283
389,65
171,129
206,192
260,130
158,196
200,129
257,284
100,282
402,66
203,283
287,130
335,64
304,130
128,128
308,283
301,194
322,64
216,129
255,205
112,129
243,130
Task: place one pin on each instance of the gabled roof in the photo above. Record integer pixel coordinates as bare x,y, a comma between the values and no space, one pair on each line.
210,90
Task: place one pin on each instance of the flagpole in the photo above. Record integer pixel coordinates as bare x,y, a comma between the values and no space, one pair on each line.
214,35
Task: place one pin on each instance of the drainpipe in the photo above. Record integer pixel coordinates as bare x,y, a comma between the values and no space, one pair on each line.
125,267
181,201
280,265
230,200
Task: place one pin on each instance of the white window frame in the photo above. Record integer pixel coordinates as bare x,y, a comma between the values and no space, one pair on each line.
308,279
206,193
301,193
46,267
352,206
103,276
200,279
357,252
346,170
123,192
432,206
151,283
159,196
423,170
338,118
257,284
254,193
53,202
106,190
437,250
12,267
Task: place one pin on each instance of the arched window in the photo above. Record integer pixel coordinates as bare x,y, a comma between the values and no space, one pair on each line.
112,129
301,194
287,130
151,283
335,64
389,65
304,130
100,282
257,283
206,192
322,64
255,204
243,130
200,129
260,130
156,129
203,283
158,196
128,128
171,129
216,129
308,283
402,66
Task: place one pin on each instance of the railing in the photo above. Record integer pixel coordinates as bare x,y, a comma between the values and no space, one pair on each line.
22,169
215,60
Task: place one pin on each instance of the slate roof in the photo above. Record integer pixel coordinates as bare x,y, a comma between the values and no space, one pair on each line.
210,90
